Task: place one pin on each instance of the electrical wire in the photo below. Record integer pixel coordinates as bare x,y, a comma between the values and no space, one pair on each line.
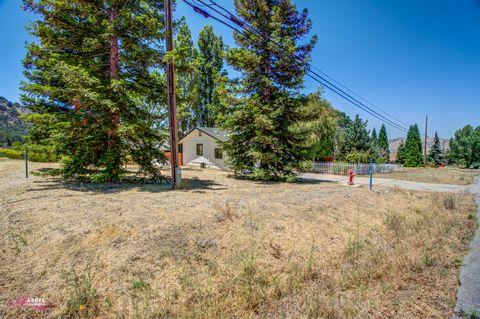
246,25
314,75
237,20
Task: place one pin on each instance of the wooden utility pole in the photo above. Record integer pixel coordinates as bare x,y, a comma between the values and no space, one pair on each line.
425,146
171,97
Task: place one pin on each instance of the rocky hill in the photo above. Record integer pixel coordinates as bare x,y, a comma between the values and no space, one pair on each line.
12,128
444,144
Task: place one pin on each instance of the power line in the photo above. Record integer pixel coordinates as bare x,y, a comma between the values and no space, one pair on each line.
347,98
357,95
208,15
314,75
242,23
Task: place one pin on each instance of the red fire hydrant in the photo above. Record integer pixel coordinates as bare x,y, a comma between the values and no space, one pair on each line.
351,174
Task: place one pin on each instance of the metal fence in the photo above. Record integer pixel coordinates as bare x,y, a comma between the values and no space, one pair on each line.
359,169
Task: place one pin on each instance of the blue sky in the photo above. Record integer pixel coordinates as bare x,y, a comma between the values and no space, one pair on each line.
409,57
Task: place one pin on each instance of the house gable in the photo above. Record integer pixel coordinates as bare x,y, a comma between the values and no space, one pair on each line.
198,143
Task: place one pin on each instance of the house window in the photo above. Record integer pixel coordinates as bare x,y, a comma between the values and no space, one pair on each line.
180,148
218,153
199,133
199,149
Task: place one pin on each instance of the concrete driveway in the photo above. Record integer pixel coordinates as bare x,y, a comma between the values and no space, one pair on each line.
468,294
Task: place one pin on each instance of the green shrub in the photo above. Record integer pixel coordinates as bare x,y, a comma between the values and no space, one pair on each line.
33,155
358,157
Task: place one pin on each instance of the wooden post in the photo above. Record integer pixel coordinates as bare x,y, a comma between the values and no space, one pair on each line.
26,161
171,98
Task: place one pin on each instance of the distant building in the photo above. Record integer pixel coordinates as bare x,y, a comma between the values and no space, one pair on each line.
200,147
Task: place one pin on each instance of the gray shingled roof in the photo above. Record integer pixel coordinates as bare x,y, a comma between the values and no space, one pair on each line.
214,132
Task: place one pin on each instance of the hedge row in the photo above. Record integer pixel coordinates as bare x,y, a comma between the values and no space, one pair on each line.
32,156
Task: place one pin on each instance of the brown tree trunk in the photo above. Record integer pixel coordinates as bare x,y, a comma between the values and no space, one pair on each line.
114,57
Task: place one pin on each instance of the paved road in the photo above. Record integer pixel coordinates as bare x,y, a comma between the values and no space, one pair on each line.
417,186
468,294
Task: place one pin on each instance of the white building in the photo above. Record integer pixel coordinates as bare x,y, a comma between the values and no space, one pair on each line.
201,145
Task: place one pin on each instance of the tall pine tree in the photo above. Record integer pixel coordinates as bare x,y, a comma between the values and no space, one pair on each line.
210,65
91,84
412,153
262,136
436,154
400,152
383,143
186,68
374,144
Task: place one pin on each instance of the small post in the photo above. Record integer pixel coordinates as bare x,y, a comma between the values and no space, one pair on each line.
371,174
425,145
26,161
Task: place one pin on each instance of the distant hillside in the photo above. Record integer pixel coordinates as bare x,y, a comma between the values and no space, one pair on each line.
12,128
444,144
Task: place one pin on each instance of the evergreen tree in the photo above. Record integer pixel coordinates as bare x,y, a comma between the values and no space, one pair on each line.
412,154
436,154
374,149
210,65
262,136
186,81
400,152
355,139
383,143
92,84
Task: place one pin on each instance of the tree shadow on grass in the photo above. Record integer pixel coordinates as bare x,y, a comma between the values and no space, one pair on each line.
54,183
313,181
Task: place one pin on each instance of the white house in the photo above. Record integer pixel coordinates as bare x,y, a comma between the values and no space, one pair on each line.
200,145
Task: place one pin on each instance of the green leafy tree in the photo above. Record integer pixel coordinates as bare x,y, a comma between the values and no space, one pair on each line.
210,77
412,154
400,152
436,154
354,138
186,81
92,85
320,124
383,144
465,147
262,137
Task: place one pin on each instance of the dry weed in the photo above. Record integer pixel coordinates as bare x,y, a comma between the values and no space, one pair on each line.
339,253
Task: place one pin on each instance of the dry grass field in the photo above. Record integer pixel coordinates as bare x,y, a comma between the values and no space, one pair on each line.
447,175
226,248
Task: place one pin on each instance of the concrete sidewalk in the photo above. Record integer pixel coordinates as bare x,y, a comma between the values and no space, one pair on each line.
417,186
